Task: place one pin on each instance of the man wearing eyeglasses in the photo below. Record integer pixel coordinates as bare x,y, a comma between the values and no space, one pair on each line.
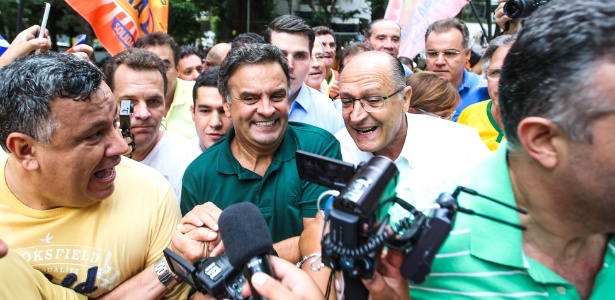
295,38
447,49
326,36
485,116
375,100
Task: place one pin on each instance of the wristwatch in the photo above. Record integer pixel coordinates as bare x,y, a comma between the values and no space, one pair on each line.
166,277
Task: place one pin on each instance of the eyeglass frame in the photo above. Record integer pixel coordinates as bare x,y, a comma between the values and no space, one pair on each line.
443,52
424,112
373,109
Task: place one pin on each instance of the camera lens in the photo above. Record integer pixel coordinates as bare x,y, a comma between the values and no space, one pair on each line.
514,8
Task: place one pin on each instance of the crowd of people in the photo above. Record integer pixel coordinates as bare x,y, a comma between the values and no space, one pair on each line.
80,219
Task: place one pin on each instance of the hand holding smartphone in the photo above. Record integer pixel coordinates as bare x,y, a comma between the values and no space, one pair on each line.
41,33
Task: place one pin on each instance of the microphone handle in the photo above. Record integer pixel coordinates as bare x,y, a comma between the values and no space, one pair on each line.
259,263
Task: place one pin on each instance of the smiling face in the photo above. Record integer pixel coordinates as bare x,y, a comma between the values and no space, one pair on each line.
317,68
296,48
448,68
259,108
380,132
78,168
208,115
145,89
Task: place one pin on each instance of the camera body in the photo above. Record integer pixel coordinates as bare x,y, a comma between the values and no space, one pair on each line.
519,9
214,276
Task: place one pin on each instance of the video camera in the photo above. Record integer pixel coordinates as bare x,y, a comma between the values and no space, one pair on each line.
214,276
519,9
126,109
358,217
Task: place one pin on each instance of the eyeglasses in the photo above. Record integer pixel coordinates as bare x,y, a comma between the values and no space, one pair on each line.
448,54
447,116
369,104
494,73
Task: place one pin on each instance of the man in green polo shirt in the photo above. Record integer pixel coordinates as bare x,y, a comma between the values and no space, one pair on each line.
557,97
255,161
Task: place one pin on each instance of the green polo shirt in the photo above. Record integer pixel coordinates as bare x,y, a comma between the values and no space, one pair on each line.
283,198
483,259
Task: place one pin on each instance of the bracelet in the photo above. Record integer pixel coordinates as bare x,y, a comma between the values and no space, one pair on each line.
305,258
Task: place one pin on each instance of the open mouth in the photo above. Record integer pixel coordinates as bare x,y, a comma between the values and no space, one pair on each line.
264,124
367,130
105,174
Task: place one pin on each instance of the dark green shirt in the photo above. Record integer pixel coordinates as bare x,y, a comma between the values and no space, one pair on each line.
283,198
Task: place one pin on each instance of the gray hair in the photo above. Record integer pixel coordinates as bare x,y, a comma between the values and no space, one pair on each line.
552,75
317,40
249,54
31,83
501,41
448,24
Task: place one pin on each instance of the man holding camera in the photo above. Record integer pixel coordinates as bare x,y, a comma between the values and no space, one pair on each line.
558,110
63,211
138,75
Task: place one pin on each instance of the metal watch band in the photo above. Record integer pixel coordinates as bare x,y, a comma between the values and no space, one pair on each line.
164,275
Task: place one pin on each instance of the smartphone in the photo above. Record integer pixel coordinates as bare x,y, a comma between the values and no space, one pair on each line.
46,9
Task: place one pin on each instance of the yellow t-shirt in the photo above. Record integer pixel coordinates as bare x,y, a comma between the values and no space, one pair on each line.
479,117
20,281
110,241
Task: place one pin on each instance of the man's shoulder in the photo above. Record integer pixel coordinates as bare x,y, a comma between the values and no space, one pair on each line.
132,170
427,126
473,111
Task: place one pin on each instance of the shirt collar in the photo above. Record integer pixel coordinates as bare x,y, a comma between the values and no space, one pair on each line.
228,164
469,80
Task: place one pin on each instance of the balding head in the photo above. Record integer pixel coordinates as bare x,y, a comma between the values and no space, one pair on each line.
216,55
377,124
376,61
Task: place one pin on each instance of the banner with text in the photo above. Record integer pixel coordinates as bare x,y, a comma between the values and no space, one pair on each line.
118,23
414,16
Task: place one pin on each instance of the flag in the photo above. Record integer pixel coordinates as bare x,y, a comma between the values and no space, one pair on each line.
4,44
118,23
414,16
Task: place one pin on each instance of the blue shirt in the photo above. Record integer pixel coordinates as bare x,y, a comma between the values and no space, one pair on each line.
314,108
470,91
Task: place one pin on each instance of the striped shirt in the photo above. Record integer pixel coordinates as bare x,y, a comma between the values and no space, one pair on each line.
482,259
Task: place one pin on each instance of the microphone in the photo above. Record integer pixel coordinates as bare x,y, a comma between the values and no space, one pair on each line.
247,240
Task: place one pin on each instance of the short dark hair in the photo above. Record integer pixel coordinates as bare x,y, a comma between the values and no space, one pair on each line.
185,51
208,78
31,83
551,75
322,30
448,24
292,25
136,59
159,39
247,38
249,54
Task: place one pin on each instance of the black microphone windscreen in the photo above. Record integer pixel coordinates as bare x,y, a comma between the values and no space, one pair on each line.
244,233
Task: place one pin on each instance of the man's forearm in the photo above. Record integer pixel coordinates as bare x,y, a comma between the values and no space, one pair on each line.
288,249
144,285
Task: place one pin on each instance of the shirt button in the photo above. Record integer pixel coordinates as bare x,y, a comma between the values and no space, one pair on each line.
561,290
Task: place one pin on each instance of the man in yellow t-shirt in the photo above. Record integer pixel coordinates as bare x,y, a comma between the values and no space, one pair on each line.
72,206
485,116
